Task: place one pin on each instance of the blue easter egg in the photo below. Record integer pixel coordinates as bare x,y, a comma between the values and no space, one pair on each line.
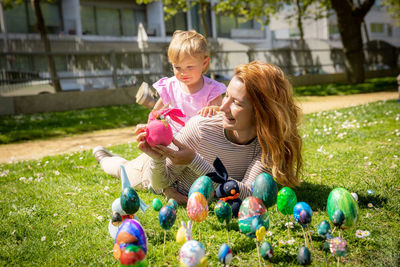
225,254
302,213
167,217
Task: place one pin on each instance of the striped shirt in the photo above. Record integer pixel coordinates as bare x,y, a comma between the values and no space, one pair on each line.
206,136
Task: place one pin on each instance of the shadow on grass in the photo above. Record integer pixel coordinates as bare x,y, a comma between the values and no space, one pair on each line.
316,195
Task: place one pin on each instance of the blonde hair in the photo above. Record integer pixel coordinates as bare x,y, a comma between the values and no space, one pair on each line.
277,119
188,43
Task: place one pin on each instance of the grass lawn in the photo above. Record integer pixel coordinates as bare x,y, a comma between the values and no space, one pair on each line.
55,124
55,211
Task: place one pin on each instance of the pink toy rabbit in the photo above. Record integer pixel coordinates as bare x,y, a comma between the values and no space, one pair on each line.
158,130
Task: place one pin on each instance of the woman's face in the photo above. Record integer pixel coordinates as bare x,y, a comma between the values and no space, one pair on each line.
239,114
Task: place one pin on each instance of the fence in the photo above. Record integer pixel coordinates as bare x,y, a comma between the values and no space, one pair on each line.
101,70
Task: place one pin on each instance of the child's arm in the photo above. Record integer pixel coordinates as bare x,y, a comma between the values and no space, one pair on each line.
159,104
212,109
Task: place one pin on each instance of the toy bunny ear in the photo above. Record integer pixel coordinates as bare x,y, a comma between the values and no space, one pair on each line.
174,113
220,175
220,169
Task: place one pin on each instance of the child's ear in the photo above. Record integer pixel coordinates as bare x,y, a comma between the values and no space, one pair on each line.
205,62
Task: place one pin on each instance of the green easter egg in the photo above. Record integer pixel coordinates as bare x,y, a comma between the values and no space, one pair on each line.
265,189
130,201
157,205
203,185
341,199
223,211
286,200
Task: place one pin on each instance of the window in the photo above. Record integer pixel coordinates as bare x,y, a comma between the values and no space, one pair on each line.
110,21
196,19
21,18
377,27
294,32
333,29
226,23
389,30
177,22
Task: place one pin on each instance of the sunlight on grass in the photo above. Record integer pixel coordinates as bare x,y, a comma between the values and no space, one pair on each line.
55,211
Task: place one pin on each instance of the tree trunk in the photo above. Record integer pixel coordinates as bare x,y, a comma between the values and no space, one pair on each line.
350,19
46,43
299,20
203,11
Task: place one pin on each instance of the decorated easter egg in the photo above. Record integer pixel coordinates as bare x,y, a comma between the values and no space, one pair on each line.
158,132
302,213
223,211
197,207
265,189
266,250
172,203
167,217
286,200
130,232
132,255
338,218
181,235
203,185
225,254
193,254
324,228
341,199
157,205
130,201
252,215
304,256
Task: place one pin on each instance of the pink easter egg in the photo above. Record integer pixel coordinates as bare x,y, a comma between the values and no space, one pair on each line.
197,207
158,133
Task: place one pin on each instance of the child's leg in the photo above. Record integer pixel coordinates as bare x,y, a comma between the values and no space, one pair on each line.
112,165
138,171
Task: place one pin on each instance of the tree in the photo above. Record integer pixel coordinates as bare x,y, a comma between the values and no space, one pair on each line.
393,7
40,23
350,17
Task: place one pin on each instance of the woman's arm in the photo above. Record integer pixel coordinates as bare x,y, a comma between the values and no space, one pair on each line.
255,168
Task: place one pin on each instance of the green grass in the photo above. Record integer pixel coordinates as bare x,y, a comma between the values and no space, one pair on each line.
55,124
369,86
66,201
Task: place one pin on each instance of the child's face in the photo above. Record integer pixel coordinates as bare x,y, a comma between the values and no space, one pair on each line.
190,70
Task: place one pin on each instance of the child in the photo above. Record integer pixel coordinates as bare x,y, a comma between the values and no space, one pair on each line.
189,90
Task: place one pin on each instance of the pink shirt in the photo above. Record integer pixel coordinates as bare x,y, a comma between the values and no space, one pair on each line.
171,92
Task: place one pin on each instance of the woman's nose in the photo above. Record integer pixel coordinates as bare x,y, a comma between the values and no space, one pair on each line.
224,105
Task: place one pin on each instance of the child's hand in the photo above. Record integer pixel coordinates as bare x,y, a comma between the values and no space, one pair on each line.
143,145
208,111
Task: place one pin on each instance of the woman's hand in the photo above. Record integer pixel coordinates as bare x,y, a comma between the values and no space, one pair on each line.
143,145
171,192
183,156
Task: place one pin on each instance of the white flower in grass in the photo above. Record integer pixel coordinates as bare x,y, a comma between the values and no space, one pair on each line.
100,218
320,149
269,233
290,242
365,157
81,158
389,140
56,173
55,214
106,188
366,233
330,156
43,238
22,178
370,205
368,215
282,242
289,224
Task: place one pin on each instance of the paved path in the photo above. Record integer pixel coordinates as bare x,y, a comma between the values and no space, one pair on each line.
38,149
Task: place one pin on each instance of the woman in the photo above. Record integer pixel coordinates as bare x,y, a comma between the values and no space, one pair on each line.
256,131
